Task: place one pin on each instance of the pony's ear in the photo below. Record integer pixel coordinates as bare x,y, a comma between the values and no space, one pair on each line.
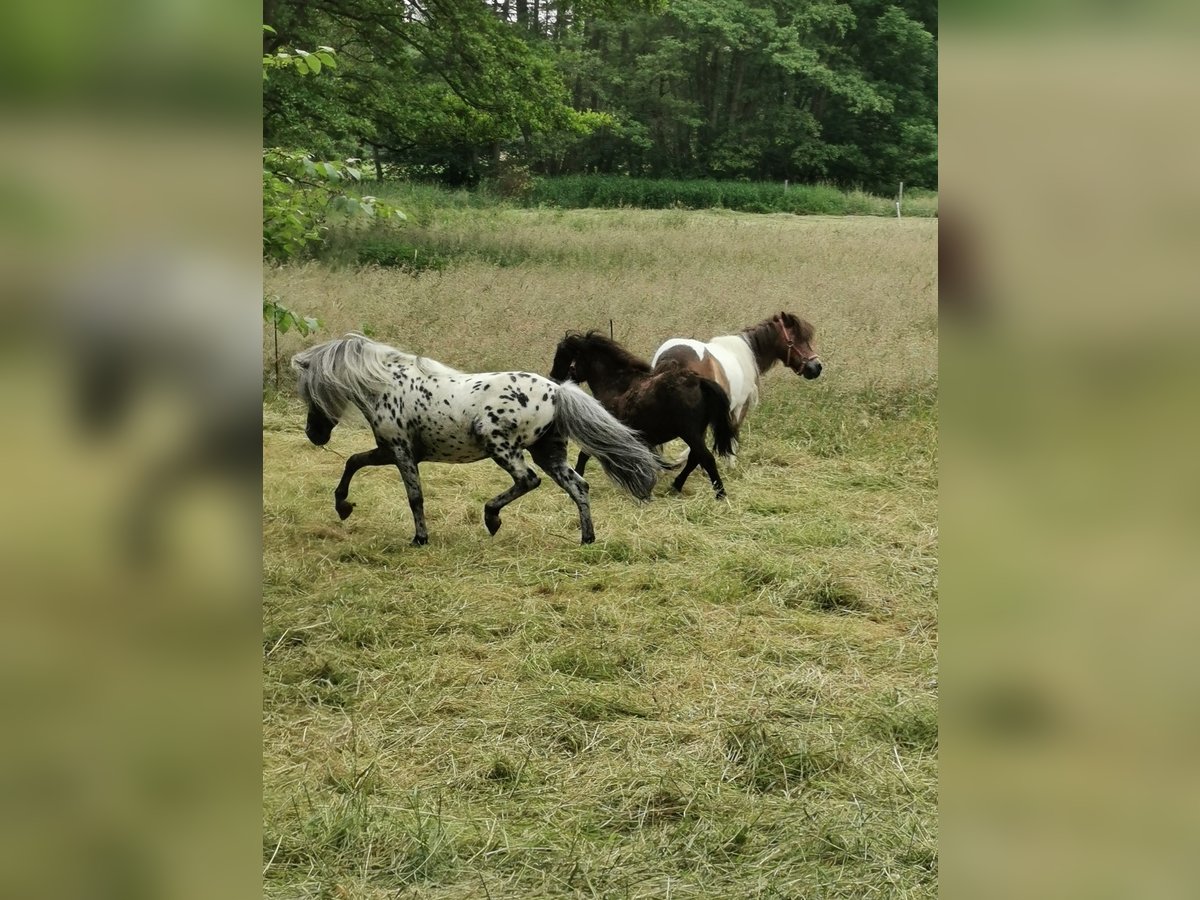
298,363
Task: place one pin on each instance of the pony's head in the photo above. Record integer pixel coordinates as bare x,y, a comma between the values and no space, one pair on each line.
567,364
580,357
319,425
332,375
794,338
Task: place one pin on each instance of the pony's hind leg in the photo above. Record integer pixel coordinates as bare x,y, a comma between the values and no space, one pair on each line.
412,484
524,481
691,462
709,464
699,455
580,464
380,456
551,455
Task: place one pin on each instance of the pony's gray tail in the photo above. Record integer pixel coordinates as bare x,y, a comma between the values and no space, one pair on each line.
621,452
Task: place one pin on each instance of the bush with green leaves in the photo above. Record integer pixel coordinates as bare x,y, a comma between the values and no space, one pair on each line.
300,194
282,320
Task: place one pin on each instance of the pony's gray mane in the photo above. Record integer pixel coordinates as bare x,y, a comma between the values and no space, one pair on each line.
354,369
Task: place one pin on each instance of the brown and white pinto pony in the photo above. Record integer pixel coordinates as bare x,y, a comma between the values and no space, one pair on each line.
737,361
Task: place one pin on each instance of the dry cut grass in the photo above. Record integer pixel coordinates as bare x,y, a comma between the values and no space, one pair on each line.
729,699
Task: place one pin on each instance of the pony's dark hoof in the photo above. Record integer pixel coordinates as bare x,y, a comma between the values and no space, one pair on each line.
492,521
587,539
720,495
420,540
344,508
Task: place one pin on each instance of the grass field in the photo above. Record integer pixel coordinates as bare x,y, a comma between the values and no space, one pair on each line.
717,699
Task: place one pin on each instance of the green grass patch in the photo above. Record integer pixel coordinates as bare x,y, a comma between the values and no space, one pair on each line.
422,203
769,763
912,725
614,191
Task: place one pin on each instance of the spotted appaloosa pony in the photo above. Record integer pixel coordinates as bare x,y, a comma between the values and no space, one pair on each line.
420,410
666,403
737,361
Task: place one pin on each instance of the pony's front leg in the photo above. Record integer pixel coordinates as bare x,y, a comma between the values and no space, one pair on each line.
412,484
380,456
524,481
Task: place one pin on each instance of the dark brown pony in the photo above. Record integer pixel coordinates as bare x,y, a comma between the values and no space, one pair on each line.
661,404
737,361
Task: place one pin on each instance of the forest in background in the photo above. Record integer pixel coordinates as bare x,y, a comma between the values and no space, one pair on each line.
463,90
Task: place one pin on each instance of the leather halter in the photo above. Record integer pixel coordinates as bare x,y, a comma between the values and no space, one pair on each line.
791,347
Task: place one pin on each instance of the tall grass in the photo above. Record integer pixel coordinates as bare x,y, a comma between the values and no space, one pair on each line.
717,699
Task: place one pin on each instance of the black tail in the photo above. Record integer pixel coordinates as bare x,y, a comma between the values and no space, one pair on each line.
716,401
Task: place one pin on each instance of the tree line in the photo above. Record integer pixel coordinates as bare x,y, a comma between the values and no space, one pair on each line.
459,90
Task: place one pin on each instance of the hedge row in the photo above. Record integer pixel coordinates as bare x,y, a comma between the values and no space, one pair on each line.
611,191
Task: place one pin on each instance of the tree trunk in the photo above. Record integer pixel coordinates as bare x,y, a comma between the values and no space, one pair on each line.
560,20
735,91
714,81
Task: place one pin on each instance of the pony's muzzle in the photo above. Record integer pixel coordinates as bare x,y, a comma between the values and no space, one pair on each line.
812,368
318,437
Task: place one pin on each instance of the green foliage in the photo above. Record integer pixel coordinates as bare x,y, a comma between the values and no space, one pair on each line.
300,61
613,191
808,91
299,196
514,182
805,90
300,193
282,320
382,251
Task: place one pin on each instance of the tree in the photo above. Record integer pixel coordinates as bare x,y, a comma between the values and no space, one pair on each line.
842,90
299,193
